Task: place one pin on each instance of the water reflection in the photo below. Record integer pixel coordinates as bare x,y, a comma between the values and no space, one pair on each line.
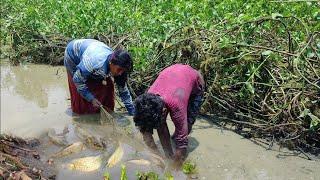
33,82
33,97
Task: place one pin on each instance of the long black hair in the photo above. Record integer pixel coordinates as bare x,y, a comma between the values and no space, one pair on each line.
148,115
123,59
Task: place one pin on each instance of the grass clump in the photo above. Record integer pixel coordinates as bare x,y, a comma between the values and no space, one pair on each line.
189,167
147,176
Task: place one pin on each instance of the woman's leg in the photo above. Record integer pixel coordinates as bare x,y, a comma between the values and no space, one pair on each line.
195,101
194,105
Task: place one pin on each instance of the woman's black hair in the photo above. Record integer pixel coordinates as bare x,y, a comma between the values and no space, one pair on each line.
148,114
123,59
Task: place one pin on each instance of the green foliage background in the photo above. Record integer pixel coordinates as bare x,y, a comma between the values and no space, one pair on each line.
260,58
149,21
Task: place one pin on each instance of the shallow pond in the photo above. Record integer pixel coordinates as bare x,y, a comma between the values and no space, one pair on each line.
35,98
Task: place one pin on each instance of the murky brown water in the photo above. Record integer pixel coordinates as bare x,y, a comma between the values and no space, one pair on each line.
34,98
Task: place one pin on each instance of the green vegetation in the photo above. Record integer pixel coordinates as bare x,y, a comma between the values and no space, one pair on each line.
168,176
123,175
147,176
153,176
28,25
106,176
260,59
189,168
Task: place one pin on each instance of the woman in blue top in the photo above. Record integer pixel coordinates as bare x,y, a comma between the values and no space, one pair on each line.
90,65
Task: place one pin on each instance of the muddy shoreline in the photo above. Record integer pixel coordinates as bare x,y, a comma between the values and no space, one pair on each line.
20,159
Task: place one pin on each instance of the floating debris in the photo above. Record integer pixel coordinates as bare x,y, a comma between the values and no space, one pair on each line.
19,159
57,139
89,139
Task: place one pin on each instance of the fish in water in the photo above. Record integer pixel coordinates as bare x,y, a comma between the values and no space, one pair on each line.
89,139
140,162
57,139
73,148
86,164
123,153
127,153
154,158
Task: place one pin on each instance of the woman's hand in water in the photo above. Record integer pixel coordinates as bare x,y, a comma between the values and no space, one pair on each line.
175,164
96,103
179,157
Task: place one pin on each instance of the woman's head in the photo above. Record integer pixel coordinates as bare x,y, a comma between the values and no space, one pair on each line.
120,62
149,111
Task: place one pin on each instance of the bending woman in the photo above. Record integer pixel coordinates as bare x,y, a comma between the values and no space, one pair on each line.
178,90
90,65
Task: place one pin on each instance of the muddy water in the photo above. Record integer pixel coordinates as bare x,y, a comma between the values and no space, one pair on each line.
34,98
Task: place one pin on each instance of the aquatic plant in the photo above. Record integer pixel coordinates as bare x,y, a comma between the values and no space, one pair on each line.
123,175
106,176
147,176
189,167
168,176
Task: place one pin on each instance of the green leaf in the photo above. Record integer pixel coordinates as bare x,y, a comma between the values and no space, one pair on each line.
106,176
311,55
224,42
249,87
169,176
123,173
189,168
296,61
148,176
276,15
315,121
304,113
266,53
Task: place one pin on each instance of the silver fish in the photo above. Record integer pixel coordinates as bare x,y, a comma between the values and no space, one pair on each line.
73,148
86,164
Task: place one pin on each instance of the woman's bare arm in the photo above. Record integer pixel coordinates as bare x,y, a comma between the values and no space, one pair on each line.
148,139
164,137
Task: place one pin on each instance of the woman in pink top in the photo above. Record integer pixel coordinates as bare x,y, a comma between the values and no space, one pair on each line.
178,90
